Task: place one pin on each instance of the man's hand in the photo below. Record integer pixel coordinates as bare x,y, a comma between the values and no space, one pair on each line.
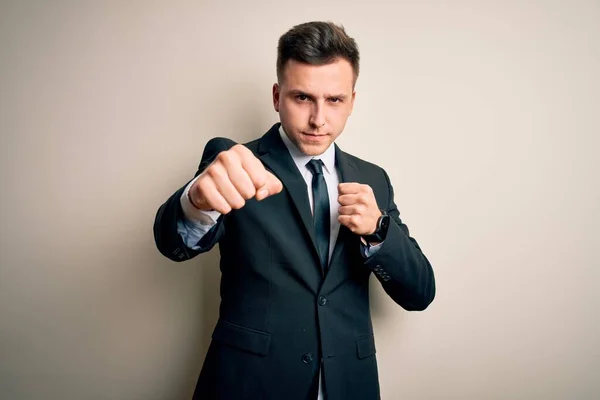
235,176
358,211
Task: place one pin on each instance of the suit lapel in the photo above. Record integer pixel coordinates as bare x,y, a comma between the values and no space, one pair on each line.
275,155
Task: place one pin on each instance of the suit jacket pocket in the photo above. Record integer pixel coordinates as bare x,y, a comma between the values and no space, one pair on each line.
365,346
242,338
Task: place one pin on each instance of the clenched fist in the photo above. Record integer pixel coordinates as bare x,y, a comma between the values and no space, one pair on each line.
235,176
358,211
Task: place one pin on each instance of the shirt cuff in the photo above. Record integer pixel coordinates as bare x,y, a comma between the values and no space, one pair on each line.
368,251
193,214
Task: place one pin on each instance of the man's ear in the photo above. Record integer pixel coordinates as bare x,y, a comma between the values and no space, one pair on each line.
276,96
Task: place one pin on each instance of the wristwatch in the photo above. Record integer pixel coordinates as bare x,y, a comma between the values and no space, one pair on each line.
380,231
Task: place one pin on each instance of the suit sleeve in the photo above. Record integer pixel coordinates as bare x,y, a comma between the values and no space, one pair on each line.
166,236
403,270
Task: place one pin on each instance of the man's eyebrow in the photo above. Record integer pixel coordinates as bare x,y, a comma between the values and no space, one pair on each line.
297,92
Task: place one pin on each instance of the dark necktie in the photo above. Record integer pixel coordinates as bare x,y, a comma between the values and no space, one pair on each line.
320,210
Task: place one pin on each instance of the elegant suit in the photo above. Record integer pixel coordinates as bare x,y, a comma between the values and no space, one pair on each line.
281,318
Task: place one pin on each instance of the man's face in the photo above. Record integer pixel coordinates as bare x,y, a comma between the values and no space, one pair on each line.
314,103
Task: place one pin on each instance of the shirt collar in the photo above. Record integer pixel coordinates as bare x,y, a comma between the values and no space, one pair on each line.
301,159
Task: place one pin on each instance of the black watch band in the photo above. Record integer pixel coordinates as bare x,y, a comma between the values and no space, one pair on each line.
380,231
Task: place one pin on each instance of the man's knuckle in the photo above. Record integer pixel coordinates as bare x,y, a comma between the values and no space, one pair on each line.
228,158
240,149
202,185
198,187
245,154
213,170
226,209
248,193
237,204
221,156
259,177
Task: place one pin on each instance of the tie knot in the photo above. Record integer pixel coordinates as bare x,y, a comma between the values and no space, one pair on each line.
315,166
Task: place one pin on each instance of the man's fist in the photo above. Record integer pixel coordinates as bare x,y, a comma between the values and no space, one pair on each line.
358,211
235,176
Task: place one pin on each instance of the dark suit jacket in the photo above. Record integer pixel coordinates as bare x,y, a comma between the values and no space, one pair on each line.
280,317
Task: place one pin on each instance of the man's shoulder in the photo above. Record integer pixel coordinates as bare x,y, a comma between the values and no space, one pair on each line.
221,143
361,164
253,144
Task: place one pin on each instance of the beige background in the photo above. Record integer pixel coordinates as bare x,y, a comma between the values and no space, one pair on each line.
484,113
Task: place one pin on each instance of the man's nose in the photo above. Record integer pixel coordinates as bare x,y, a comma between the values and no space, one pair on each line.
317,117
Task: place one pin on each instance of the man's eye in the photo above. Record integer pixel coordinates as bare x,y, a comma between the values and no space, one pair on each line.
335,99
302,97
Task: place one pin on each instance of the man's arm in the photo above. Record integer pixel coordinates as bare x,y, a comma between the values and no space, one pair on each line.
403,270
397,261
228,175
170,217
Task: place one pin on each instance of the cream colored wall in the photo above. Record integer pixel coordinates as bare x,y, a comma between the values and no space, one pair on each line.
485,115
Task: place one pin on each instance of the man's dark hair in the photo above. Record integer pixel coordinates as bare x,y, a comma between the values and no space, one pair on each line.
316,43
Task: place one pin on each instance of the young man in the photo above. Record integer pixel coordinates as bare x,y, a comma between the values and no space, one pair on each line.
301,225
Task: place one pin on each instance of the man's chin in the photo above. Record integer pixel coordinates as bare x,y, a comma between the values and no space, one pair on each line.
313,149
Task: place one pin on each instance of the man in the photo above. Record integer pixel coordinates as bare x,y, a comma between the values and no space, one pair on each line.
300,225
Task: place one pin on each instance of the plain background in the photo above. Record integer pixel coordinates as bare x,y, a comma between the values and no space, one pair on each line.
484,113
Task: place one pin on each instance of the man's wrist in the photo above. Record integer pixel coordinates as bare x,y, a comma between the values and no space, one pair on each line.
380,232
369,243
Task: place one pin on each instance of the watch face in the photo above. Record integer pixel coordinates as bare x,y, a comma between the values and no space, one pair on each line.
385,221
381,230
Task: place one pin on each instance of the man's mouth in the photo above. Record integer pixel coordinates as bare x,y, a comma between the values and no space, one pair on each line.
313,134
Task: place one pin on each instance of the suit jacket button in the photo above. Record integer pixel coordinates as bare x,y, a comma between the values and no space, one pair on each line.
307,358
322,300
